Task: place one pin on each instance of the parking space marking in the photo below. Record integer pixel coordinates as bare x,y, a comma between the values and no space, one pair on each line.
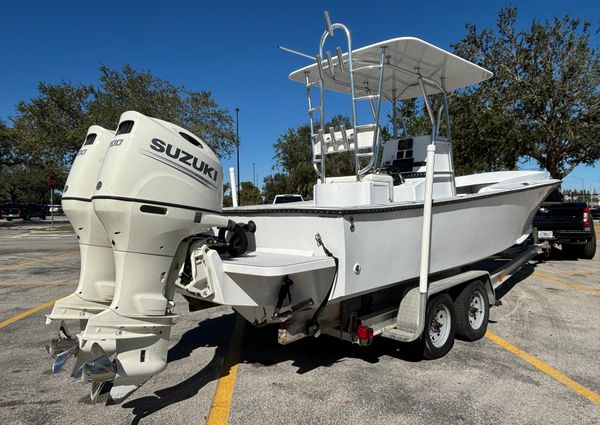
38,282
26,313
545,368
221,404
562,282
37,260
580,273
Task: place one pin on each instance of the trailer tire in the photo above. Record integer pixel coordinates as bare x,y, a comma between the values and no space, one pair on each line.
472,312
440,325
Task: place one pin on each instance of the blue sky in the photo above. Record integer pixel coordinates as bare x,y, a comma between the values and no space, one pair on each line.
230,48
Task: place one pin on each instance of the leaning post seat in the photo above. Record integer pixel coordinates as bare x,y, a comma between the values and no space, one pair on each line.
346,191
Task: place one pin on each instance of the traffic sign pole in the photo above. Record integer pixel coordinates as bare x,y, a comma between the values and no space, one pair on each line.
52,207
52,186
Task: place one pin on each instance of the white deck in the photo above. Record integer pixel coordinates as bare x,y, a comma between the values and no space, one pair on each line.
270,264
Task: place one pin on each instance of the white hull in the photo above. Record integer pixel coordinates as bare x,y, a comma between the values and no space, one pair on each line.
383,241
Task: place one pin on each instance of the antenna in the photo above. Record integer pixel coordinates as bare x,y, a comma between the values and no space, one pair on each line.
304,55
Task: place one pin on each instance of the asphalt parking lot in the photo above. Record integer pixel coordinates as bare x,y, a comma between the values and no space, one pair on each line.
539,362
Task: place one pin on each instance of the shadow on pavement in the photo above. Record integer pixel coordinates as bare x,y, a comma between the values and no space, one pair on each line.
259,347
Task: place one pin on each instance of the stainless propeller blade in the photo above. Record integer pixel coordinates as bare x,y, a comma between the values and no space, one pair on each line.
100,369
62,357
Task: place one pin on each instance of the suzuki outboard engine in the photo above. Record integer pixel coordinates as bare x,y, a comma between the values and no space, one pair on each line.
97,276
158,185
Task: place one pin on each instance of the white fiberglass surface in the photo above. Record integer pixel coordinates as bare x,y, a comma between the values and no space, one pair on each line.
405,55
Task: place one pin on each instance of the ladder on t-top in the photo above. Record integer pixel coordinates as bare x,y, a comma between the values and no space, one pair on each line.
363,139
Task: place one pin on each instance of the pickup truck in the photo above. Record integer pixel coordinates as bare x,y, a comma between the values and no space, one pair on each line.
286,198
567,224
24,211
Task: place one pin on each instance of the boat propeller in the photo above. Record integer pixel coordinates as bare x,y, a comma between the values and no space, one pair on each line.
100,371
95,367
62,348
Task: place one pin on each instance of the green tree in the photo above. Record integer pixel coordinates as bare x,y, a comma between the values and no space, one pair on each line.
8,151
47,131
543,101
274,184
129,89
49,128
29,183
293,162
227,200
250,194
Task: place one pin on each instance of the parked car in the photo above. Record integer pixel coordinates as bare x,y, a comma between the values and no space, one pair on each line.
286,198
567,224
24,212
56,208
3,208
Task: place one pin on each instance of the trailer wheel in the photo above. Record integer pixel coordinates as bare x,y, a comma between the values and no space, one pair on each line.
472,312
440,324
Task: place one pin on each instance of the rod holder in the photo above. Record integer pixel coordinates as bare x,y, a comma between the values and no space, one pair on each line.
330,63
328,23
338,52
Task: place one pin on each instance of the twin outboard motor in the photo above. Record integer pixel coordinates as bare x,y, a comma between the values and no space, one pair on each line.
97,276
158,185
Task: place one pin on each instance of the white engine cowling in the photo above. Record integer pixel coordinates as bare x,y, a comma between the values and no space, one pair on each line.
158,185
97,275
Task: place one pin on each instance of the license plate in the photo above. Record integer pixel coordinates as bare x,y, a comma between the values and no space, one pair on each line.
546,234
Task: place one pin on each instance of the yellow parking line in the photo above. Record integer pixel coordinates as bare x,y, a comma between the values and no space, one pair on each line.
562,282
580,273
221,404
547,369
37,282
26,313
37,260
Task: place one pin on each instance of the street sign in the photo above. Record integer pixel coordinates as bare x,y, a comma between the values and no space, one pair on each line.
52,182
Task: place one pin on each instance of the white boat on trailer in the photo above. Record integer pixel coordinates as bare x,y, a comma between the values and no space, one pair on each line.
381,252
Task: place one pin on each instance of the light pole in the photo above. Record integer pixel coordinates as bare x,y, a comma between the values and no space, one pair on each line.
582,186
237,135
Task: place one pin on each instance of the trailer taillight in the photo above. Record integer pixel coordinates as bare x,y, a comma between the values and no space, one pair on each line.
364,334
586,218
